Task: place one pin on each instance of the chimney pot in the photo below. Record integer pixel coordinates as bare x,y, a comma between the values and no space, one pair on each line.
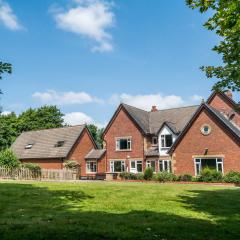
154,109
229,94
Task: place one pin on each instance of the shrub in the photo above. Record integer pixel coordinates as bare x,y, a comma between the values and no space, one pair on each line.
210,175
185,178
128,176
71,164
140,176
8,159
32,166
165,177
148,174
232,177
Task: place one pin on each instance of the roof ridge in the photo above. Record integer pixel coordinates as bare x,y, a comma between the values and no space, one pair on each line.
135,107
48,129
196,105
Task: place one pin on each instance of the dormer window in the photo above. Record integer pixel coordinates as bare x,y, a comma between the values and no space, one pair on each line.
154,141
166,140
59,144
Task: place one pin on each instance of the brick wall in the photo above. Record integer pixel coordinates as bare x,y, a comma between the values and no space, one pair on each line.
223,106
46,163
219,142
82,147
122,126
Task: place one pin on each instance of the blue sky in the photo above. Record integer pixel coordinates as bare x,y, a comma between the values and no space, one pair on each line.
86,56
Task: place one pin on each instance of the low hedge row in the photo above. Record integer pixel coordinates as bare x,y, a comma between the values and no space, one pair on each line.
207,175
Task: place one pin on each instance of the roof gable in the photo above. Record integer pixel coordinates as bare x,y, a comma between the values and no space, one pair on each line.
44,142
234,130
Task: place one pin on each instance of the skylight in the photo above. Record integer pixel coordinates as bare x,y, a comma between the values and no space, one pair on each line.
59,144
28,146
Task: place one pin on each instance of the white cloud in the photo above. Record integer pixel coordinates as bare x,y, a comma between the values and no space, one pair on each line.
8,18
147,101
89,18
5,113
77,118
65,98
196,98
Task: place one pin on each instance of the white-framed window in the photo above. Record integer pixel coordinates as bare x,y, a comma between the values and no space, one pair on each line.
205,129
212,163
117,166
91,166
151,164
164,165
166,140
124,144
136,166
154,141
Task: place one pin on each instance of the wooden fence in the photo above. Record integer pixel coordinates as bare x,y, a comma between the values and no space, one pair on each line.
43,174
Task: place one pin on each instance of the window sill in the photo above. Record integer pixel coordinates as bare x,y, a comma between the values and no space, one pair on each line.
127,150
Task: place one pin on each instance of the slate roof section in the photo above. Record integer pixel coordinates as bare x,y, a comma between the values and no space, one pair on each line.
152,152
95,154
151,122
44,142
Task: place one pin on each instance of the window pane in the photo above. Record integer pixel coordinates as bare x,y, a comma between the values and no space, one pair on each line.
123,143
160,166
139,166
162,141
168,139
165,163
117,166
122,166
220,169
133,164
198,168
208,163
112,166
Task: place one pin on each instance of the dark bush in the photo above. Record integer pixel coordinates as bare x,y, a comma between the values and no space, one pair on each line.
32,166
165,177
148,174
140,176
71,164
128,176
232,177
210,175
185,178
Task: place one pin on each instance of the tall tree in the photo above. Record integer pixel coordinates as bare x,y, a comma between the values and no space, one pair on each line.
97,134
225,21
5,68
41,118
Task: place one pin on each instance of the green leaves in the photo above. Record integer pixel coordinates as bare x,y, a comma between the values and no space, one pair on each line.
226,24
5,67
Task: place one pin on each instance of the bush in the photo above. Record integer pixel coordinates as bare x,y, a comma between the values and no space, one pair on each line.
71,164
140,176
32,166
9,159
232,177
165,177
148,174
210,175
185,178
128,176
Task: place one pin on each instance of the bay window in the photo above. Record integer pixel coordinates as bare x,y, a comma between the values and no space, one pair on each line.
165,165
136,166
91,166
151,164
212,163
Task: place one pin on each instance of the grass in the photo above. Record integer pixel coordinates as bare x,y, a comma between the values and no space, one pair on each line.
103,210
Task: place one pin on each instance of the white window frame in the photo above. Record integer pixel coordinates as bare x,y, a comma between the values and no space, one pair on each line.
169,165
112,166
88,166
129,141
148,164
163,137
198,162
134,170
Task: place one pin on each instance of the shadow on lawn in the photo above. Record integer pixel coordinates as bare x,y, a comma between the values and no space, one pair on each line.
30,212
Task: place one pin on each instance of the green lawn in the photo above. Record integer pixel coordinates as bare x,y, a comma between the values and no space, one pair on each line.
102,210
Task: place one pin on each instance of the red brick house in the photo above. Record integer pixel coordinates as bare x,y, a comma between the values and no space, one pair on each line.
182,140
50,148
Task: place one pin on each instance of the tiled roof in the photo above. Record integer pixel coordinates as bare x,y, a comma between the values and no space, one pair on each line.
151,122
95,154
44,142
152,152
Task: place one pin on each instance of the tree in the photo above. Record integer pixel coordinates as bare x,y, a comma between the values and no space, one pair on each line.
41,118
8,159
5,67
226,24
8,130
96,134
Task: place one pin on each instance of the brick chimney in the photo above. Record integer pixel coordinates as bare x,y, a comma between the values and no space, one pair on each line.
229,94
154,109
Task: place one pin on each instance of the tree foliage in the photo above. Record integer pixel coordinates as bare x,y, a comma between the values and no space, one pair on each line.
97,134
8,159
225,21
5,68
11,125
